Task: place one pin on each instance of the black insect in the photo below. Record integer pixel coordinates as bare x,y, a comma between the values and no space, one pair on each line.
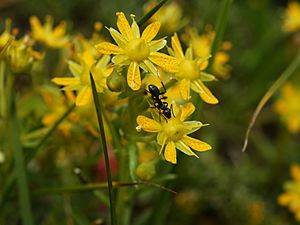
157,97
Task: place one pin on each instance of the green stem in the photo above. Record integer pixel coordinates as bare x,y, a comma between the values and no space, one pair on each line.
20,168
2,89
146,17
99,111
220,29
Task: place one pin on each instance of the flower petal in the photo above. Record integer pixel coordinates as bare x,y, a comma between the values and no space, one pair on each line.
134,76
119,39
166,62
124,26
60,29
108,48
196,144
184,87
75,68
170,153
186,110
295,172
189,54
121,60
150,67
204,92
184,148
102,63
84,96
193,126
148,124
207,77
177,47
65,81
135,29
151,31
157,45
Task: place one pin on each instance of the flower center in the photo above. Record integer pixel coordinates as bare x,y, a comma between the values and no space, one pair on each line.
137,49
173,129
188,69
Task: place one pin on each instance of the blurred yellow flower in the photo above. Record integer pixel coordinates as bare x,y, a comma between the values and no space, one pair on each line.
291,196
57,104
291,21
81,80
137,51
191,73
20,55
288,107
173,133
202,44
170,16
52,38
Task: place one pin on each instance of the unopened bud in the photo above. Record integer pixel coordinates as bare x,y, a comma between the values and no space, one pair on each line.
116,82
146,170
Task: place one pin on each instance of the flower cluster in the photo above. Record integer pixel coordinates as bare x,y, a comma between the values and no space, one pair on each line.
134,50
291,196
291,21
287,106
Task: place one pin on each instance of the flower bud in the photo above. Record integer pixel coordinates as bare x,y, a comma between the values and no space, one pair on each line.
146,170
116,82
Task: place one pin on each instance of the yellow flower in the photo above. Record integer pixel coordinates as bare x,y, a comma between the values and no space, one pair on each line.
291,196
81,80
57,104
170,16
288,107
291,21
20,55
52,38
202,44
173,133
190,73
137,50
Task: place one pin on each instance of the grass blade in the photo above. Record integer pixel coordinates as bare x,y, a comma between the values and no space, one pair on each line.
146,17
105,151
295,64
20,168
220,29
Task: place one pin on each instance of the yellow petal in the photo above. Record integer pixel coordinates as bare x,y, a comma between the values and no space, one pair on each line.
196,144
151,31
150,67
119,39
285,198
184,148
35,25
124,26
204,92
166,62
75,68
108,48
184,87
121,59
189,54
134,76
157,45
84,96
60,29
295,171
193,126
135,29
66,81
177,47
186,110
170,153
148,124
